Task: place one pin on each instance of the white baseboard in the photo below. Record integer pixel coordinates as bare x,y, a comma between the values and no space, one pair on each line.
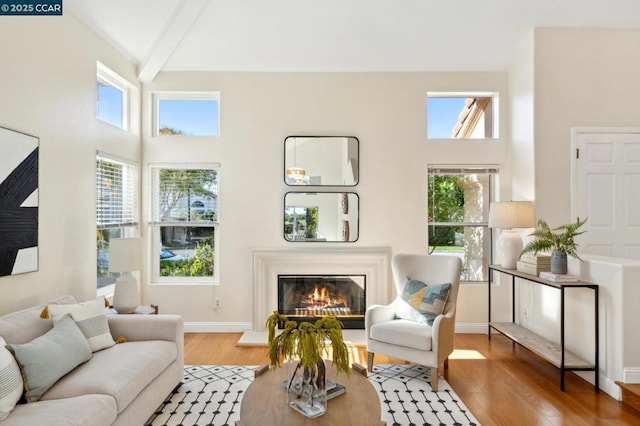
217,327
471,328
631,375
606,385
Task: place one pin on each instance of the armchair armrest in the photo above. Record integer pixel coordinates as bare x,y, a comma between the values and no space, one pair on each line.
443,333
378,313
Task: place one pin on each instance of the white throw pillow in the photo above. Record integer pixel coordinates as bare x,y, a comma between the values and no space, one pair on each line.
11,385
91,319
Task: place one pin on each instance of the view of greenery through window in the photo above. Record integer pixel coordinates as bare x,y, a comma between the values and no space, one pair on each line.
300,223
186,203
458,205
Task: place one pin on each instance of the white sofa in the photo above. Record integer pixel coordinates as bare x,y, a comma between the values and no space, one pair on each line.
121,385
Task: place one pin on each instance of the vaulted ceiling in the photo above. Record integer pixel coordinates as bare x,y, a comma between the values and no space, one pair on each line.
335,35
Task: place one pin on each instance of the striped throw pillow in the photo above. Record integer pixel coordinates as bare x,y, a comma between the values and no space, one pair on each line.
11,385
91,320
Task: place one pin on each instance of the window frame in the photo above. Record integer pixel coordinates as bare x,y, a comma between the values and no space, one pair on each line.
155,224
130,205
493,174
494,113
110,77
156,97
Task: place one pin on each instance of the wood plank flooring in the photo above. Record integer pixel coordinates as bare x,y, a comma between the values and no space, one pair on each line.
500,382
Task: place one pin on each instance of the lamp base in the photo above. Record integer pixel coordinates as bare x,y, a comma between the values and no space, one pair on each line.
126,297
509,246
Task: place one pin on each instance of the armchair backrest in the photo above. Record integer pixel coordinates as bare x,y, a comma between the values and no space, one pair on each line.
430,269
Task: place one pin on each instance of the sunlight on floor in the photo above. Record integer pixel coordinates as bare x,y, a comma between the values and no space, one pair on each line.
466,354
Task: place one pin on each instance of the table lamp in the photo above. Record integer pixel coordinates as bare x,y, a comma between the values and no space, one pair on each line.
507,215
125,255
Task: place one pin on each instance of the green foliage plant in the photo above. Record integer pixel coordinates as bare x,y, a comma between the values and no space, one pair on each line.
546,239
307,342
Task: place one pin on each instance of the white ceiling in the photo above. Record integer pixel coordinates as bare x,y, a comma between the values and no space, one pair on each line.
335,35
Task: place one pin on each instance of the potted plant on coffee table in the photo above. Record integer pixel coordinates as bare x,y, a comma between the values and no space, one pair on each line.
302,345
560,243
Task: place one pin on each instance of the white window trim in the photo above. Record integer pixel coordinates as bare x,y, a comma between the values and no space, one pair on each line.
128,90
155,242
156,97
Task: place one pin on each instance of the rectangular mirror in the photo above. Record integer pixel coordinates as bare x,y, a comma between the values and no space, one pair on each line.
321,216
321,160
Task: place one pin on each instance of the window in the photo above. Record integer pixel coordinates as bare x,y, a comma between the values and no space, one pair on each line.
113,97
186,113
116,210
462,115
458,212
300,223
184,223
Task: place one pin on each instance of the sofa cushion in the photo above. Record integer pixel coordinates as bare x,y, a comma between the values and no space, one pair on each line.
121,371
11,384
91,319
47,358
85,410
25,325
401,332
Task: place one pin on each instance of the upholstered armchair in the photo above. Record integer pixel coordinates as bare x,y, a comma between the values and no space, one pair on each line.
411,328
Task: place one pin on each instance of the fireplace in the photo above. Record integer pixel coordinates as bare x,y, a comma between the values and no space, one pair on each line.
268,264
310,297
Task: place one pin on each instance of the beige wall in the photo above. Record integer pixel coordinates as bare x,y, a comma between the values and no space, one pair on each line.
48,89
386,111
583,77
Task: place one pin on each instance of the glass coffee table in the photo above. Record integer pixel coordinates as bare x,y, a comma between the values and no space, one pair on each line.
265,402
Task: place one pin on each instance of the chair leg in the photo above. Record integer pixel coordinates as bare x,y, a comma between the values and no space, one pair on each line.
370,361
446,363
434,379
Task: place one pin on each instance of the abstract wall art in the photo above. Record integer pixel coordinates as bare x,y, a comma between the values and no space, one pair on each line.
18,202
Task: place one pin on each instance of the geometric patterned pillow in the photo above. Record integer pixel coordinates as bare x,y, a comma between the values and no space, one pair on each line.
90,318
424,302
11,385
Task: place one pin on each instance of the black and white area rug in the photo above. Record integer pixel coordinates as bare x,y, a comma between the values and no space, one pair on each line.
211,395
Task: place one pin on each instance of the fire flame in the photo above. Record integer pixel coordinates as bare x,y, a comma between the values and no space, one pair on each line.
321,298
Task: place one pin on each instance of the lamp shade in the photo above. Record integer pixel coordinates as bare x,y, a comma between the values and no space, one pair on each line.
511,214
125,254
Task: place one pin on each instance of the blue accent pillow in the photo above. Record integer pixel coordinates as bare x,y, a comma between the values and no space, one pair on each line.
424,302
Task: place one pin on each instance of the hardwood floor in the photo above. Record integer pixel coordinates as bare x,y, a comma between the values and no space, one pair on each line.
501,383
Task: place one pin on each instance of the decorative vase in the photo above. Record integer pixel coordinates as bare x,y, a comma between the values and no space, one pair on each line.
558,262
307,388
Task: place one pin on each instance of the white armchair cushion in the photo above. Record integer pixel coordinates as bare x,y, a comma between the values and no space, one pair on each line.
403,333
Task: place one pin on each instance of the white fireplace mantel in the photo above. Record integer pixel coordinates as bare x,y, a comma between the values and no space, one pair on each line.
373,262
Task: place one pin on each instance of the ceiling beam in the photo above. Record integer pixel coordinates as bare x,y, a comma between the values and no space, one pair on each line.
176,27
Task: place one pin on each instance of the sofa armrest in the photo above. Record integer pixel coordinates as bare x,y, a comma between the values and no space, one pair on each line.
149,327
443,333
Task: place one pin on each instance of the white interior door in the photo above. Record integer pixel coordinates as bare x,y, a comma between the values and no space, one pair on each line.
606,189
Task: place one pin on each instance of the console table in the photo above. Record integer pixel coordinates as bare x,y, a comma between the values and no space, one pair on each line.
555,353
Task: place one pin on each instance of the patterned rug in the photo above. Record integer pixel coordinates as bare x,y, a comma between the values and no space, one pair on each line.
211,395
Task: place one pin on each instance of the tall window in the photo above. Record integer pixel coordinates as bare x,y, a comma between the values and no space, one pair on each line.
184,222
458,213
116,209
462,115
113,97
186,113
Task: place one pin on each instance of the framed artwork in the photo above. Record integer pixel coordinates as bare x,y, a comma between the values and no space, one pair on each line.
18,202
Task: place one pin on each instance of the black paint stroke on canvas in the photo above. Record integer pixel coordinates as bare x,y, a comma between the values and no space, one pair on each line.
18,225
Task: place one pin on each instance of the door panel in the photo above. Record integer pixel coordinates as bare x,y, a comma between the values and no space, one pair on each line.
606,183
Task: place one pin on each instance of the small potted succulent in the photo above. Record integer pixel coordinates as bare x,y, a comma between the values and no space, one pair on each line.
302,344
561,243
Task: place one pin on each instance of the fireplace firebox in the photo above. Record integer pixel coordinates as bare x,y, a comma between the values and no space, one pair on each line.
310,297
